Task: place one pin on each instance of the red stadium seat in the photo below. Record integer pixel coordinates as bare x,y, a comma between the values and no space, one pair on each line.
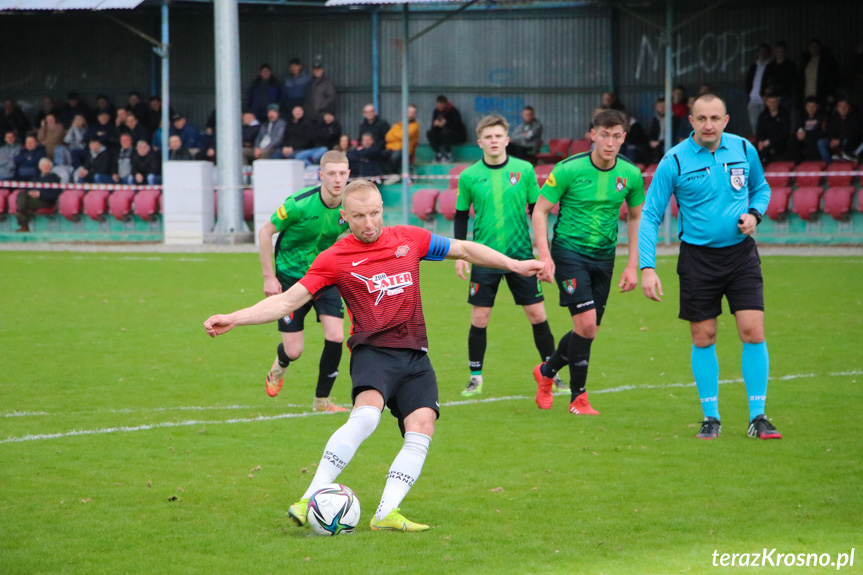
580,146
623,212
806,201
837,202
446,203
69,204
147,204
248,204
647,175
777,209
96,204
4,202
423,203
120,204
782,171
454,173
558,148
675,209
542,172
808,181
13,202
837,180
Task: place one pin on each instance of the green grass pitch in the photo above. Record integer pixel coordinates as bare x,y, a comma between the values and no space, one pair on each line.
132,443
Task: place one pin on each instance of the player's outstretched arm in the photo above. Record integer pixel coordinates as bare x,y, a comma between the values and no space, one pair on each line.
265,311
485,256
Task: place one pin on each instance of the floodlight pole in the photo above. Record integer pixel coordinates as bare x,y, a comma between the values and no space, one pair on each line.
405,126
669,110
166,76
230,225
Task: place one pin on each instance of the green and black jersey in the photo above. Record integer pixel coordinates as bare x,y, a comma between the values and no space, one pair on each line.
306,227
499,195
590,200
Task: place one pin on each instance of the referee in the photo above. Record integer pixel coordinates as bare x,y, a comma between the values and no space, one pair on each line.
719,185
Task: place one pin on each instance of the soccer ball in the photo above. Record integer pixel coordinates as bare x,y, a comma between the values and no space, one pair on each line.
333,510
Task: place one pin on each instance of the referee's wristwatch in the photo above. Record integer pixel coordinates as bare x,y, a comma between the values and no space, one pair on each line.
758,215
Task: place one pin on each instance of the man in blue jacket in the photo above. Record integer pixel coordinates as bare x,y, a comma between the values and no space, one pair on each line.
718,183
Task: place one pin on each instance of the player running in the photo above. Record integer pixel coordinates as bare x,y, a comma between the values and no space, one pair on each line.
307,223
377,271
591,187
499,188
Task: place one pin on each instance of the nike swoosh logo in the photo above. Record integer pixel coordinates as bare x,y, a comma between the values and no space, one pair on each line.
353,263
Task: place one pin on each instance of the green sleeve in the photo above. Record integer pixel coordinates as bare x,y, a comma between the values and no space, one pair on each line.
464,199
532,185
635,197
556,184
285,215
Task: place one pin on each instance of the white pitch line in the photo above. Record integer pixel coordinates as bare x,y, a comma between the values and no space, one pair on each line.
261,418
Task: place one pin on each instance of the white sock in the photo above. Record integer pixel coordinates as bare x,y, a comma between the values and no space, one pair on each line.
405,470
343,444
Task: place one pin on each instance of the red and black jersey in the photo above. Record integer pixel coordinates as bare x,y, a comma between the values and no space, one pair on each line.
380,284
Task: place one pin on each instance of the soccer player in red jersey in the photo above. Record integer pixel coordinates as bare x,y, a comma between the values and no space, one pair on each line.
377,272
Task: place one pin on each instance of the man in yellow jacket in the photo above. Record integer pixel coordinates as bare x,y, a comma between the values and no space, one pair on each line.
394,140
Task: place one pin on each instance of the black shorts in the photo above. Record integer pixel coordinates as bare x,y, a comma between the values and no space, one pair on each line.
404,377
706,274
484,283
329,302
583,281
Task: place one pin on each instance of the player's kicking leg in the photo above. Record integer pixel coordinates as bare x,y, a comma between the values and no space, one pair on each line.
340,449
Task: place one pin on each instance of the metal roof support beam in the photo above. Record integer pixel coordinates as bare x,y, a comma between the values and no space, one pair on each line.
442,20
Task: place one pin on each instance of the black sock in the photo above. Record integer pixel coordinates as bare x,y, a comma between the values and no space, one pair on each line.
543,340
284,360
328,369
559,358
578,353
476,342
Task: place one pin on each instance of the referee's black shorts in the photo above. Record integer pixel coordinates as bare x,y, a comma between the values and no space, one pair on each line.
404,377
707,274
328,302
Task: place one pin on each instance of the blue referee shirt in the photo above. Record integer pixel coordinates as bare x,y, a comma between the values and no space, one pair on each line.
712,189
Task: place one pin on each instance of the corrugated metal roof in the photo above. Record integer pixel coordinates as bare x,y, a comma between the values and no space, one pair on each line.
69,4
355,2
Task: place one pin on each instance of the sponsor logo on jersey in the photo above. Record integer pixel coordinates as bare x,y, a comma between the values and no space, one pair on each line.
281,213
384,284
402,251
569,286
288,318
474,287
551,181
621,184
514,177
738,178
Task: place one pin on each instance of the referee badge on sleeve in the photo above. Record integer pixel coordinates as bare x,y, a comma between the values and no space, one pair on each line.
738,178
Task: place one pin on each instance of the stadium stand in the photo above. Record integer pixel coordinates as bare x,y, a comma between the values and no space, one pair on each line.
69,204
248,204
806,201
120,204
423,203
648,175
623,212
557,150
777,209
454,173
837,202
4,203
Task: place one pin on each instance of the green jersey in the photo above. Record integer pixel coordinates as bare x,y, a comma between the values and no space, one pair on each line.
306,227
590,200
499,195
